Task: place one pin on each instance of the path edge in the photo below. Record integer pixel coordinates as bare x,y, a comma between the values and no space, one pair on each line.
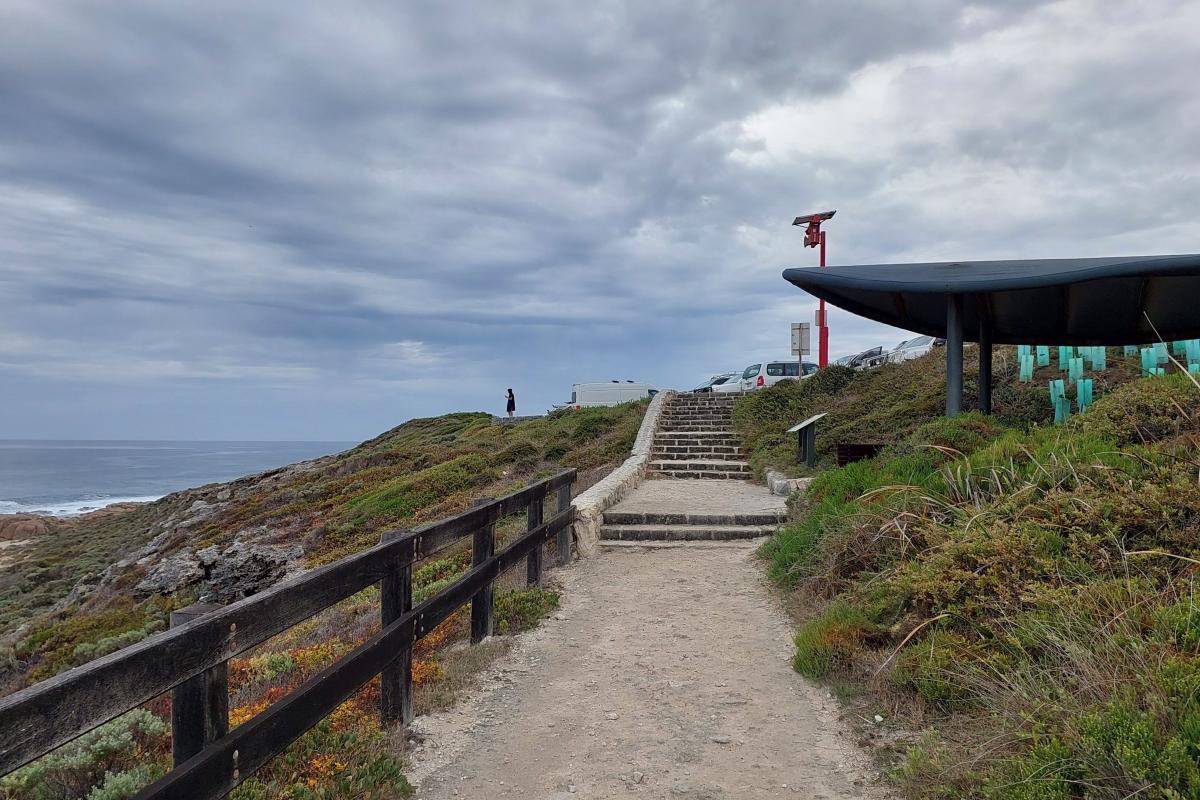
590,505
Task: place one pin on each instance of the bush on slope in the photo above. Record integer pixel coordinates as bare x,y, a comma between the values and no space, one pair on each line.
887,403
1032,594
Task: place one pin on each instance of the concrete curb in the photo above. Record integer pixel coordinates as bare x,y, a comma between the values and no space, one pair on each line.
591,504
781,484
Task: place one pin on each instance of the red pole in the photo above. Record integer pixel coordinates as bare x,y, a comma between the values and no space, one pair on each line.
823,330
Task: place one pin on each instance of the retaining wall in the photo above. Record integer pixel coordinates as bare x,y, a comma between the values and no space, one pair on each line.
591,504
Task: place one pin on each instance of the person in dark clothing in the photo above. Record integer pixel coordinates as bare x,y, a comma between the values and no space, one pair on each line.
512,402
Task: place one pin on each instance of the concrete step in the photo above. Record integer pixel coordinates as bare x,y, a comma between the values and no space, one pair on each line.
707,412
673,519
700,463
686,427
698,474
677,445
692,455
669,425
704,436
707,447
689,533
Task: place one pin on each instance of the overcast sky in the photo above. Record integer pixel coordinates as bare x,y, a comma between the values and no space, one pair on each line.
314,220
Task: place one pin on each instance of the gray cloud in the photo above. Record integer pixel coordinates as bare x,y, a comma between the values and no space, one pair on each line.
305,220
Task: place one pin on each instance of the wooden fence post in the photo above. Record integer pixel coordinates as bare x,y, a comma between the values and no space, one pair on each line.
564,536
537,508
199,705
483,547
395,600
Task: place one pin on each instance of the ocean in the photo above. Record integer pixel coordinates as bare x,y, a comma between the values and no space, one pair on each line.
67,478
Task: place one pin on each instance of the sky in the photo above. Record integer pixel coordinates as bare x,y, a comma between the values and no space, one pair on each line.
311,220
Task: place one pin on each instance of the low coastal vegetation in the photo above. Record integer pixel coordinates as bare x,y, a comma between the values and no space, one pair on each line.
883,404
1022,595
423,470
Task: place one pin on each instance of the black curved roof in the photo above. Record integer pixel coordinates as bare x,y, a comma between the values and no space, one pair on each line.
1085,301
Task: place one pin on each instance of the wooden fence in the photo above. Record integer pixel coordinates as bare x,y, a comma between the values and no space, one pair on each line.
191,659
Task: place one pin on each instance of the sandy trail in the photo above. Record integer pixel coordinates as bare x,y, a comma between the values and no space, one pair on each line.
665,675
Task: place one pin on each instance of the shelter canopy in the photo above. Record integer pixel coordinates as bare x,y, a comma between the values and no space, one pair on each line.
1073,301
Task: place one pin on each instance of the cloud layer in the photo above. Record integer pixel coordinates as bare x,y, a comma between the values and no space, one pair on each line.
314,220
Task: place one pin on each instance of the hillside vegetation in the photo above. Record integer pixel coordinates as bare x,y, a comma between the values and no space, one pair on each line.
882,405
153,559
1024,593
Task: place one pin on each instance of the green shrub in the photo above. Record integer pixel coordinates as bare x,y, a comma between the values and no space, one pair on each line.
522,609
123,785
1047,772
269,666
403,497
362,765
116,748
938,670
828,643
1149,409
1179,623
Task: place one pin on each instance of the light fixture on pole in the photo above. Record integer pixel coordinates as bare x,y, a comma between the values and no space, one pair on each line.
814,236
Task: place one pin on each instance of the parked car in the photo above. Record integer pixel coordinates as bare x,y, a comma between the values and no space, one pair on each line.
913,348
867,358
715,381
769,373
586,395
731,386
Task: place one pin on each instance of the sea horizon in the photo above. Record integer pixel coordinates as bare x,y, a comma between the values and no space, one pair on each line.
69,477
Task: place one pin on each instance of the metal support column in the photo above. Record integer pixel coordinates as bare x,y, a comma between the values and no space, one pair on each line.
954,355
985,364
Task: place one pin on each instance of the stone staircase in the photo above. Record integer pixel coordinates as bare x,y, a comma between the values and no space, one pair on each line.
703,490
695,439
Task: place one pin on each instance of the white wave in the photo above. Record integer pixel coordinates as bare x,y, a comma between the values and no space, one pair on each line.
69,508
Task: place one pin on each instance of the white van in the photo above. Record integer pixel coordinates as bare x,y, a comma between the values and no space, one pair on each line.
586,395
769,373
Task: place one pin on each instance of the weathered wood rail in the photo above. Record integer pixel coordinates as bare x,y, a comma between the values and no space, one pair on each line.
190,660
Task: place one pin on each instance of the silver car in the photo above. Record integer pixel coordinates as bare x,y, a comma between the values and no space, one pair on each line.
716,380
913,348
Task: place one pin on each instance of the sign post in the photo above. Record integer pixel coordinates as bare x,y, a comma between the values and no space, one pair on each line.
801,343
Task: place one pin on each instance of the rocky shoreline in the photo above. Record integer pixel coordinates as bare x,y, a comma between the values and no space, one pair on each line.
21,527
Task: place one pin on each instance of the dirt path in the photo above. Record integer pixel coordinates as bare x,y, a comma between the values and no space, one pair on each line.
665,675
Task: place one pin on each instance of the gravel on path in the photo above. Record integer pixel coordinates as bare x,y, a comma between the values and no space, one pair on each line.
666,674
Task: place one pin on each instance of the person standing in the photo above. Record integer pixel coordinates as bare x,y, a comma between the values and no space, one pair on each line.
512,402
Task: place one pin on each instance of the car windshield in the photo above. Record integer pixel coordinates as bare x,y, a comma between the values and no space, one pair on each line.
721,379
751,370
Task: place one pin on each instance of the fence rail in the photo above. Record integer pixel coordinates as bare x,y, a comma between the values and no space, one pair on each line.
191,660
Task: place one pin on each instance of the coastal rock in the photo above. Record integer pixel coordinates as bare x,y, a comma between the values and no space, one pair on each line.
245,568
17,527
171,574
222,576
